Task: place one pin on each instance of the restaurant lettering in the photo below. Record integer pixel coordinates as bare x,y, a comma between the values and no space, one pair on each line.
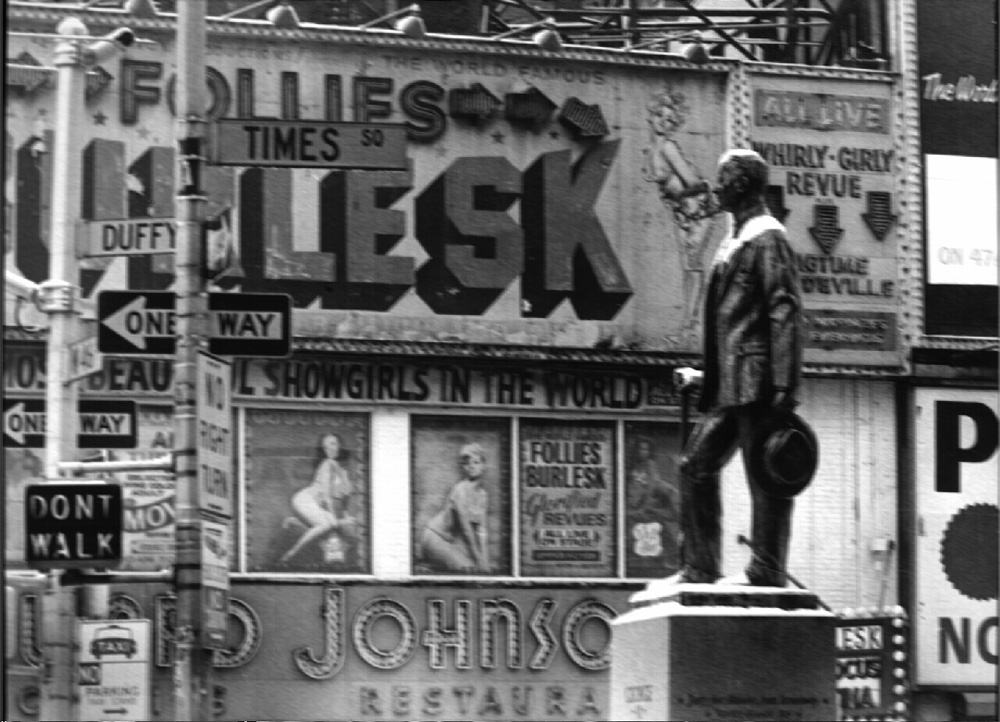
464,634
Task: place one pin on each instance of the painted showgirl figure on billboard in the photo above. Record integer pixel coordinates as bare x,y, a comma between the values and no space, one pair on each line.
455,537
651,508
324,506
684,192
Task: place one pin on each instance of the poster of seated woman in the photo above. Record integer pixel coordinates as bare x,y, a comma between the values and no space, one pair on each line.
460,496
307,487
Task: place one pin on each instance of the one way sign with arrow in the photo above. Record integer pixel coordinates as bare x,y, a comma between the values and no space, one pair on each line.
242,324
136,322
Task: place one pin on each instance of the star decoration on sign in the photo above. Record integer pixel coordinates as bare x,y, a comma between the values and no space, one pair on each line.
100,118
554,134
497,137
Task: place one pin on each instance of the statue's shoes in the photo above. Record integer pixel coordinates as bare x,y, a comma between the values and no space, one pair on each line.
690,575
743,580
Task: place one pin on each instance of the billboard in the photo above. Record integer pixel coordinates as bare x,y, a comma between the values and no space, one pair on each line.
542,200
955,617
833,185
958,134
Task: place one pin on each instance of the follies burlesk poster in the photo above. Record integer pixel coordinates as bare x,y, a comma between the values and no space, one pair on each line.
461,495
307,489
568,490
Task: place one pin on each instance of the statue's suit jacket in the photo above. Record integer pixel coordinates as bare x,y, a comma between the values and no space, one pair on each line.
753,318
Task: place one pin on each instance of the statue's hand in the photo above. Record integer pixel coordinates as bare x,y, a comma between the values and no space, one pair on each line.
784,401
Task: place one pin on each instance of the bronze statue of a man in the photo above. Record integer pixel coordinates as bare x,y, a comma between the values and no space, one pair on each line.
753,353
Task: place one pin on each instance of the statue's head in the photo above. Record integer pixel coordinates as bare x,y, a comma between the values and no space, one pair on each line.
742,178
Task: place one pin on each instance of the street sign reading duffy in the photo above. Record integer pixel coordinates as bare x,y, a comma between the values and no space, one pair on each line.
73,526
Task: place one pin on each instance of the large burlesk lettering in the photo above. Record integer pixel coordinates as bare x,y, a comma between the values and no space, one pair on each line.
476,248
567,253
355,214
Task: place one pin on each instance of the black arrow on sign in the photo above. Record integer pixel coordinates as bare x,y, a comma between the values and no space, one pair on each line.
586,121
826,230
879,216
532,107
476,103
26,72
97,80
774,196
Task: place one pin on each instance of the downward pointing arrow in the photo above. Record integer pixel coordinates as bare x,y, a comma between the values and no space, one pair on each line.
826,230
879,217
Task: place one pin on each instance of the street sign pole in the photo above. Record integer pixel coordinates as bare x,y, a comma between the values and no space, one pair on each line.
58,603
193,661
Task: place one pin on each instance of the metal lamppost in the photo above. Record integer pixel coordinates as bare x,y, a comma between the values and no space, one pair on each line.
75,51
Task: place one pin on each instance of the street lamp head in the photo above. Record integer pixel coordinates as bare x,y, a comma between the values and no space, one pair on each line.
71,26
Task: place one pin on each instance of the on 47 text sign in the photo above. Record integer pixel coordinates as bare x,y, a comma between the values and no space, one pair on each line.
956,540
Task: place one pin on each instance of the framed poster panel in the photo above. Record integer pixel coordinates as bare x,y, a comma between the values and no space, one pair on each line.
652,499
149,498
461,495
307,491
567,502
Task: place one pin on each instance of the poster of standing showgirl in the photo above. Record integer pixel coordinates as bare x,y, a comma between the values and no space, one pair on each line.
307,488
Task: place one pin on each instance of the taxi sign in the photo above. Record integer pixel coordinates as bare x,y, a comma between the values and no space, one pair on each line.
308,144
113,669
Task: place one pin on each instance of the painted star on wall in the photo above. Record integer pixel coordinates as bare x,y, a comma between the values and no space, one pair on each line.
100,118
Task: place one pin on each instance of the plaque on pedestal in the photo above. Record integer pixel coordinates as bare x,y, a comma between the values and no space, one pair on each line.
723,652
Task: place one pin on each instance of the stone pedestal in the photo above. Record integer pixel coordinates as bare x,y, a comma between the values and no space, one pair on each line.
723,652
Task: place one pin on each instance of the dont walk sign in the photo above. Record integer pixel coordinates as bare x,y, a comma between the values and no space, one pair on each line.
76,525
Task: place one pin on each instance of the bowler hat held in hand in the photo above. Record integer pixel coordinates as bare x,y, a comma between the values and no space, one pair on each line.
784,454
